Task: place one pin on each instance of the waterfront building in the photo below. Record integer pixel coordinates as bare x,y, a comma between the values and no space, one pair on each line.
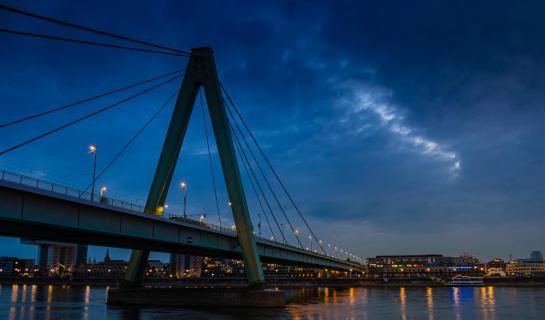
58,258
195,266
156,268
532,267
423,266
109,268
183,266
495,268
13,266
222,268
177,265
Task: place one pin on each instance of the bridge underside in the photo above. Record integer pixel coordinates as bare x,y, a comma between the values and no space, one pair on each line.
34,213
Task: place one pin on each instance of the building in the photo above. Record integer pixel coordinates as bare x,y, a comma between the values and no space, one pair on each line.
157,268
495,268
177,265
528,268
195,266
536,255
109,268
182,266
423,266
214,267
58,258
13,266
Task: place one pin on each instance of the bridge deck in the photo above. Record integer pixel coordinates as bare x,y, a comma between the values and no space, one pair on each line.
34,208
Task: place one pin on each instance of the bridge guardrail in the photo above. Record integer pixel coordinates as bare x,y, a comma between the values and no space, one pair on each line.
86,195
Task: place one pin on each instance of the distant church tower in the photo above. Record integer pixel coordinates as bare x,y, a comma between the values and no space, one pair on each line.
107,257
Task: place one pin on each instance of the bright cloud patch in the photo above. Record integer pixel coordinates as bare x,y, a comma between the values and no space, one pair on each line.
370,100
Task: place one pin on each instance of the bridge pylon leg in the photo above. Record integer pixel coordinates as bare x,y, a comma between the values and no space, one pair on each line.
200,71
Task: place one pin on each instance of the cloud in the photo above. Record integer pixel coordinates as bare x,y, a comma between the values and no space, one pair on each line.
362,101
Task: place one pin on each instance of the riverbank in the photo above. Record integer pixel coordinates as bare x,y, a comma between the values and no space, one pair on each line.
274,283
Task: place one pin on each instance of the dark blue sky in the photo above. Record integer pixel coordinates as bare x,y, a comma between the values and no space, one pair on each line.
399,127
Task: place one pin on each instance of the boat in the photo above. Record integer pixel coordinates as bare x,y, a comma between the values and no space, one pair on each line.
466,281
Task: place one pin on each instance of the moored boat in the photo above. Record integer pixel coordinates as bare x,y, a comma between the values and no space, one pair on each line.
466,281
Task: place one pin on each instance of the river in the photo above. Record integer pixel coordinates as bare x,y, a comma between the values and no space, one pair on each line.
88,302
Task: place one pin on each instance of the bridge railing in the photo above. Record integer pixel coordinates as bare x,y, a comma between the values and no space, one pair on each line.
37,183
88,196
66,190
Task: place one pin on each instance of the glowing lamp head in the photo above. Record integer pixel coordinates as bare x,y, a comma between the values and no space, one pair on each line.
103,189
92,148
183,185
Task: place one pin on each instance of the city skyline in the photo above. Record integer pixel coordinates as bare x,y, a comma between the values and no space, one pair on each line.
402,131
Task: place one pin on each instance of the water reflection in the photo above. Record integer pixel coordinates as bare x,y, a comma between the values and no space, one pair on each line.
351,296
429,302
403,301
88,302
13,306
487,302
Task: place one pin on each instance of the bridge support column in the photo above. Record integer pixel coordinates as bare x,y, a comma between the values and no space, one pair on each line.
201,71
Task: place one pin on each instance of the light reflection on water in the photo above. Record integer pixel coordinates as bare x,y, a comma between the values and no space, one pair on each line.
429,302
88,302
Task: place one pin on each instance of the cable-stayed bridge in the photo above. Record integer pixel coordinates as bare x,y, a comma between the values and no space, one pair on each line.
34,208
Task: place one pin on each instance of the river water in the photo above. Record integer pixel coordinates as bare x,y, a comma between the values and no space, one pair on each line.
88,302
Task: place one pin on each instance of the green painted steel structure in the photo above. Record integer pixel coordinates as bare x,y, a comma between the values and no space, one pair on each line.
36,209
201,72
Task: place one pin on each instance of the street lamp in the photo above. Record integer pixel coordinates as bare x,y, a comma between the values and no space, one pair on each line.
184,187
93,150
259,223
102,191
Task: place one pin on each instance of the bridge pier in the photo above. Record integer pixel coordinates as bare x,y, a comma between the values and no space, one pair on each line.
197,297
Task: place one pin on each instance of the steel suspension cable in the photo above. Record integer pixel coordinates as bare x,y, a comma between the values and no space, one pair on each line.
295,233
7,124
210,157
272,168
255,191
237,141
150,120
68,124
88,42
76,26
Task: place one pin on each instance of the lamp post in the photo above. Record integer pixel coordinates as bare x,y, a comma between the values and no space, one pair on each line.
184,187
259,223
102,191
93,150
